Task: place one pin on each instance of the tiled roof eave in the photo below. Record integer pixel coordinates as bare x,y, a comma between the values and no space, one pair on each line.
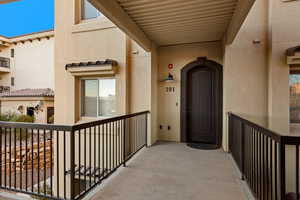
92,63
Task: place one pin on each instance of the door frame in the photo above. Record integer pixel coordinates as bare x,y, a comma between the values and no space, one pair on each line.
201,62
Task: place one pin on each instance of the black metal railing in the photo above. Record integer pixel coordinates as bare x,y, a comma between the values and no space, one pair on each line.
66,162
268,162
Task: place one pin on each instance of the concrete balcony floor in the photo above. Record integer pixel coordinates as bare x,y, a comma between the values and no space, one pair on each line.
173,171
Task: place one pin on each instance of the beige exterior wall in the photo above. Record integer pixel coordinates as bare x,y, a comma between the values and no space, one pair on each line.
33,63
11,105
91,40
245,68
169,103
99,39
284,33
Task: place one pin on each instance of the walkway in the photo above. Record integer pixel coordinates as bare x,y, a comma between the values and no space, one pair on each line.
173,171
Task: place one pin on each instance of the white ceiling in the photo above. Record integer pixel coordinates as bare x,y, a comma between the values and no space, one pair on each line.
169,22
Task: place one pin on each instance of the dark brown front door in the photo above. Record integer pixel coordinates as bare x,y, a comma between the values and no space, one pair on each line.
201,111
200,100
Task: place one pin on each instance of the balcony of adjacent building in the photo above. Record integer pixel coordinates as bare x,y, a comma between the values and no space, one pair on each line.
4,65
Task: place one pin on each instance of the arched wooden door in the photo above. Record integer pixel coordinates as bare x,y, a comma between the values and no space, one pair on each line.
201,107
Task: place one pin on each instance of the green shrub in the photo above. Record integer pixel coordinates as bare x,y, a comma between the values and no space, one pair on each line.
9,116
24,118
51,120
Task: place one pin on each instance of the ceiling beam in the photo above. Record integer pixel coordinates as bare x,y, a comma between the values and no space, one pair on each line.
242,9
113,11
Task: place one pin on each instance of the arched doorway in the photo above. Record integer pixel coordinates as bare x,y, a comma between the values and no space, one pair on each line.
201,103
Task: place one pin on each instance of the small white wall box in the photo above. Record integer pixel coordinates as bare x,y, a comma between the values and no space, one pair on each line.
293,56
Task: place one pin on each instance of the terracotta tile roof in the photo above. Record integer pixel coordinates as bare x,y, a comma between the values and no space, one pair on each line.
36,92
95,63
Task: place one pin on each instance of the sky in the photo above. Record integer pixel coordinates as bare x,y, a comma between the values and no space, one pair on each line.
26,16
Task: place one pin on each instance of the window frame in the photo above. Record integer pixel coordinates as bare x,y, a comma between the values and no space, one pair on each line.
81,13
98,88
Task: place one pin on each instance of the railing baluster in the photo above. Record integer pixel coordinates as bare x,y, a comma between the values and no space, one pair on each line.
85,158
271,168
276,171
32,157
263,165
119,141
20,159
45,164
124,142
57,164
256,162
10,167
99,153
1,152
5,157
110,148
116,144
282,169
102,142
297,171
26,159
15,159
90,156
242,158
51,163
106,146
72,164
64,163
38,156
95,154
113,144
79,157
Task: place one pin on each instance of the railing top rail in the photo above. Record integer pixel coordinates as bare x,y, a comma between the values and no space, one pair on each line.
277,137
5,124
75,127
104,121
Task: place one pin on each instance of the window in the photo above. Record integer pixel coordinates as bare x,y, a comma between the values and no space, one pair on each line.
12,81
12,53
294,83
98,97
88,11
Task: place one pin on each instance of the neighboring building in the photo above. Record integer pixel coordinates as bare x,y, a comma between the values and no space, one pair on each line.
27,66
38,103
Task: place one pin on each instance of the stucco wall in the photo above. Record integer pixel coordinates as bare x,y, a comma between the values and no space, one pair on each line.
169,103
245,68
87,41
143,83
32,65
284,18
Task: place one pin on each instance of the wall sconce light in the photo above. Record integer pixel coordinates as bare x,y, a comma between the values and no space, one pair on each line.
169,79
